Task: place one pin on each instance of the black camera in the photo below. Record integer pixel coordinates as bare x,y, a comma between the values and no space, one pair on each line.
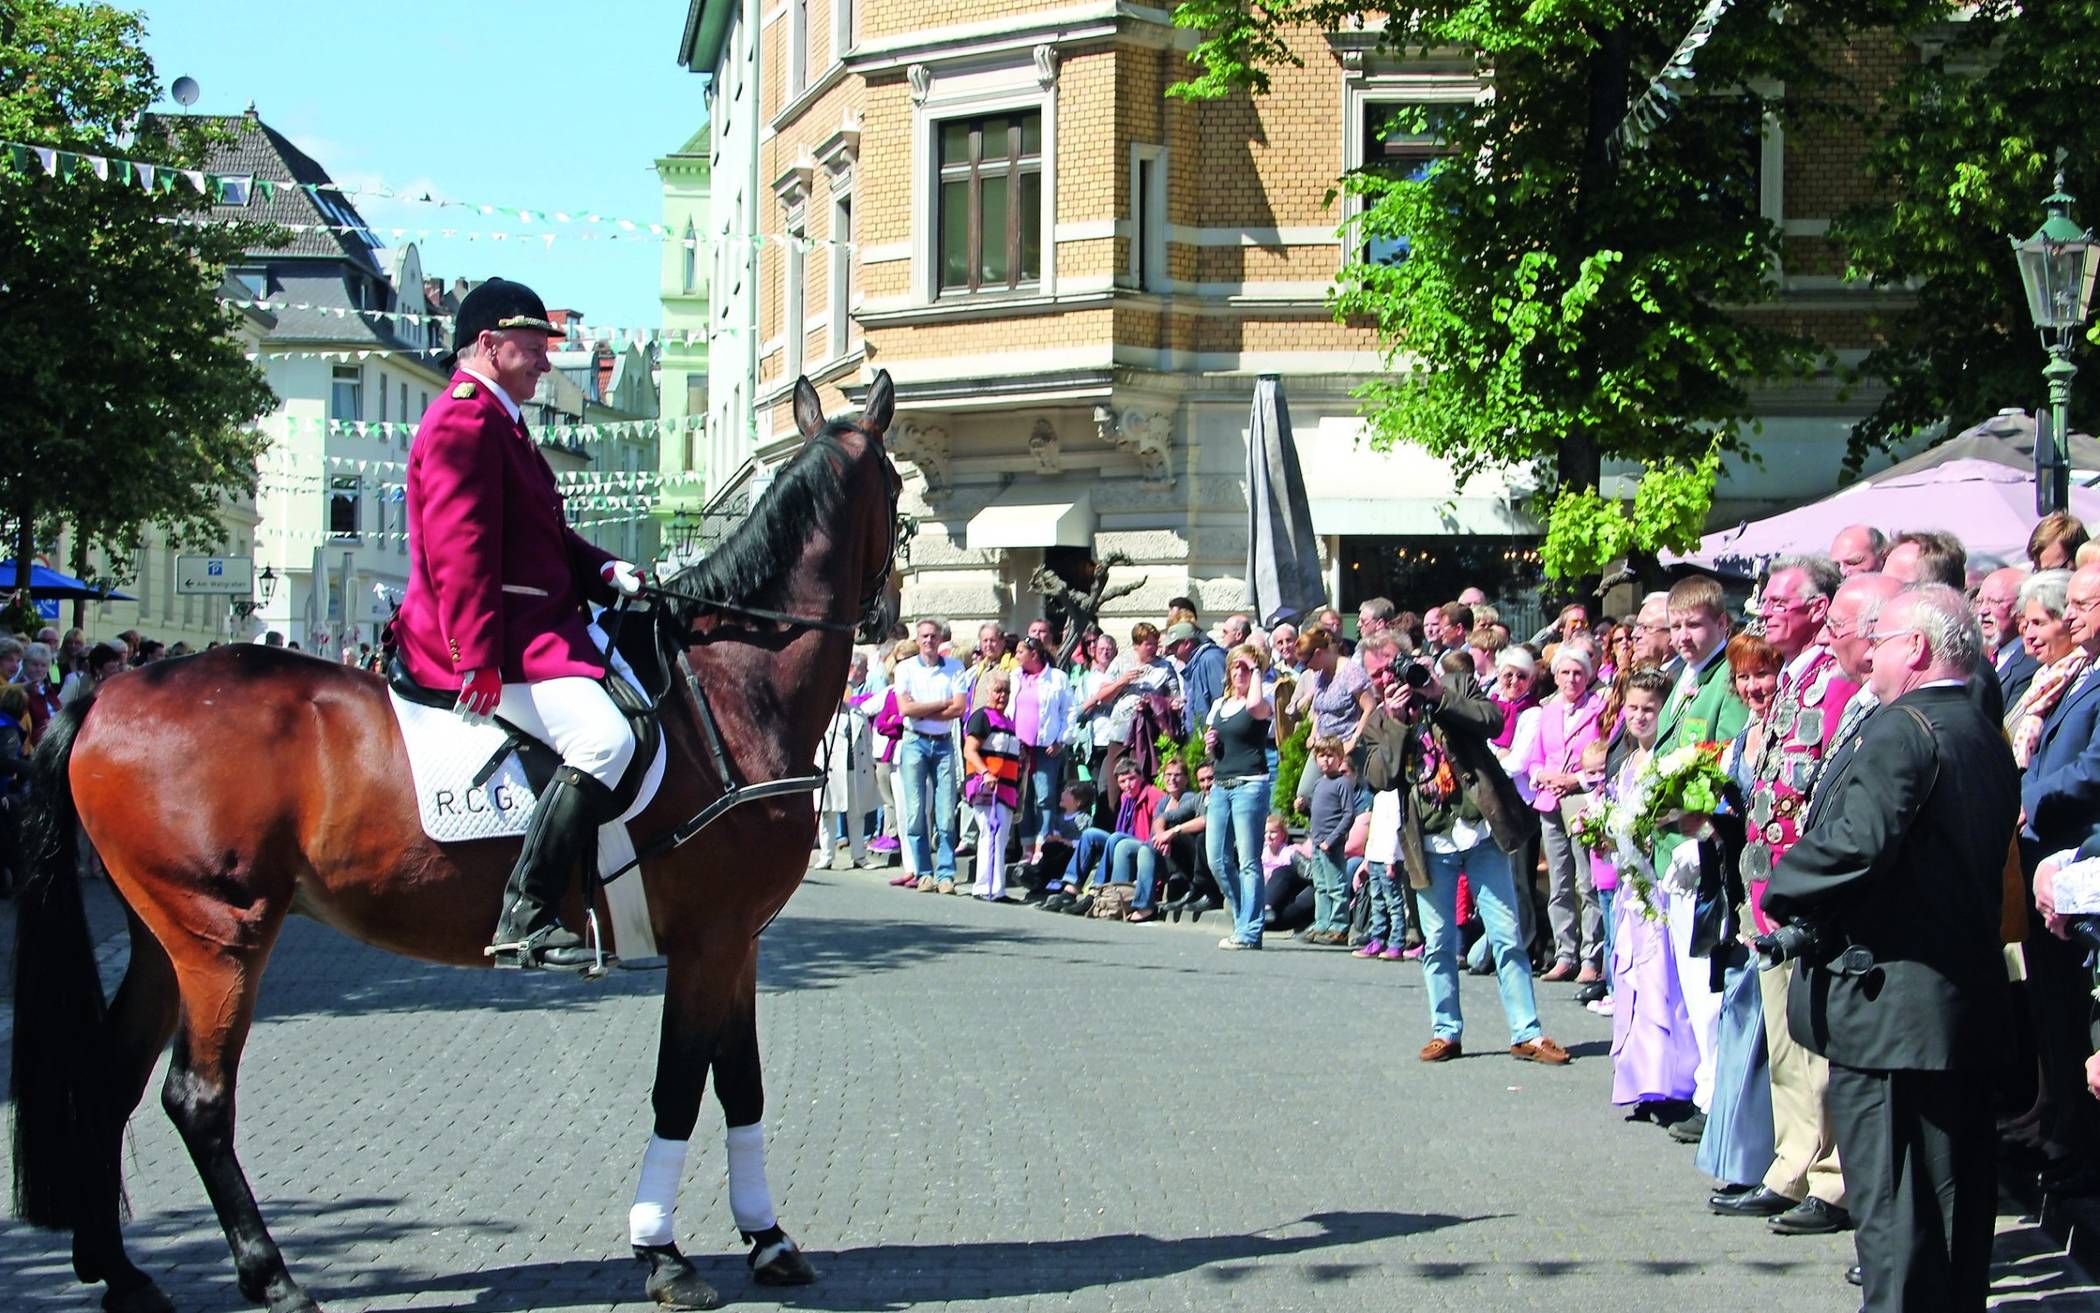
2084,931
1812,945
1416,674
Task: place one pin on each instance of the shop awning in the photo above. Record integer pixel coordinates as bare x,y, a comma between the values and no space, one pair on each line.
1354,491
1033,517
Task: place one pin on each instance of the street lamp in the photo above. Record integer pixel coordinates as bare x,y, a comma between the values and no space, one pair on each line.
684,530
248,606
2057,265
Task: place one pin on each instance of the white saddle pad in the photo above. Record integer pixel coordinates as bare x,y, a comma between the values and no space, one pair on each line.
445,753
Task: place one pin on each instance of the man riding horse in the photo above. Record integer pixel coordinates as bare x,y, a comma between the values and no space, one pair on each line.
496,586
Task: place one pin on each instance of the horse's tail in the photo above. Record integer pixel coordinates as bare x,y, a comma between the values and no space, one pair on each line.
57,1075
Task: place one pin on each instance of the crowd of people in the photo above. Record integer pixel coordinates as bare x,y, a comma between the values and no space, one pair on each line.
1842,982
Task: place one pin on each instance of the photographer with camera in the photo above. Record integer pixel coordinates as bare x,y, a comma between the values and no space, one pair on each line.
1429,738
1892,898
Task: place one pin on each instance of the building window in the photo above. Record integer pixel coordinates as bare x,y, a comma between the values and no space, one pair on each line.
1399,141
793,308
346,399
991,203
382,399
839,328
688,258
344,495
1148,218
256,281
841,29
402,394
798,47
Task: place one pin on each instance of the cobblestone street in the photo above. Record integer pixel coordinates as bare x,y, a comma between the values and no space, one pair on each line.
971,1106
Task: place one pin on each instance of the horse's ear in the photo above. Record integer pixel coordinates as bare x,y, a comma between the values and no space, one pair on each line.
809,412
882,403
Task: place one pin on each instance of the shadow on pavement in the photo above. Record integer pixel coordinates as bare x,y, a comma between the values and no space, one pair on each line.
877,1278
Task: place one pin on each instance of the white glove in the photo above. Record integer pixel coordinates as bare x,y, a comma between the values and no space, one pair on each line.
622,576
1681,877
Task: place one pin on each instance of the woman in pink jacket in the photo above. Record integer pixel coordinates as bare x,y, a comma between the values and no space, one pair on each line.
1566,725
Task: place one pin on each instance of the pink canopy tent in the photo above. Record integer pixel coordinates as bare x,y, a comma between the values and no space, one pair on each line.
1989,506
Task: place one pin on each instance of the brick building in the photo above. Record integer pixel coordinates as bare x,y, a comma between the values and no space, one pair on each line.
1075,281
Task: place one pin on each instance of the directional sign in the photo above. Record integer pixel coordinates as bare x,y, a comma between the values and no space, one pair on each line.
221,576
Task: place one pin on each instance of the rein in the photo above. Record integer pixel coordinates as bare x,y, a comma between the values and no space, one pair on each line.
754,612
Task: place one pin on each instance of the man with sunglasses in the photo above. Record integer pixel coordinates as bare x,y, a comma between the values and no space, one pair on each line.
1899,870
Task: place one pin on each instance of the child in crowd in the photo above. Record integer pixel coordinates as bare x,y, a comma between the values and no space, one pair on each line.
1075,807
1604,872
1332,809
1385,884
1282,873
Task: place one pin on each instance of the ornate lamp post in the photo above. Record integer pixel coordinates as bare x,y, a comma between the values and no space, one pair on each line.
2057,265
685,531
248,606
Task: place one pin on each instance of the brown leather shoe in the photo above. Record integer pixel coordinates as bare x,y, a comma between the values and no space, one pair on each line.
1439,1050
1540,1050
1561,971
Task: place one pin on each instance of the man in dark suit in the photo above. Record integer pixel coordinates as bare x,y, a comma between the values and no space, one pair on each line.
2059,797
1901,858
1998,611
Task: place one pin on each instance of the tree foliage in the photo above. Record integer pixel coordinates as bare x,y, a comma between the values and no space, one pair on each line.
1560,306
120,406
1964,150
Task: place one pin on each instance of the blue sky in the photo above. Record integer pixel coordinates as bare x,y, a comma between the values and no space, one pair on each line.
535,103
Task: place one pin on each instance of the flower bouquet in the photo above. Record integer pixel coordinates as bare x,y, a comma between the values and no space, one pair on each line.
1685,784
1592,827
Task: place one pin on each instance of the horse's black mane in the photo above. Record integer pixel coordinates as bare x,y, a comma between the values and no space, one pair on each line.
752,567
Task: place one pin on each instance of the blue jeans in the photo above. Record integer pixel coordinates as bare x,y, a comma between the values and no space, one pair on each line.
1090,858
1388,904
1046,777
1330,893
1232,825
1132,861
1486,868
929,769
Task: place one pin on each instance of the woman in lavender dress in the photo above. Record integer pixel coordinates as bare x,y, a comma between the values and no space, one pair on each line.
1653,1050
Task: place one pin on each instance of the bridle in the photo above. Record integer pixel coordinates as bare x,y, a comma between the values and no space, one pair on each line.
866,627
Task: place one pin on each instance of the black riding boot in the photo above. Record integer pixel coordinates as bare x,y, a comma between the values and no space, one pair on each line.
564,831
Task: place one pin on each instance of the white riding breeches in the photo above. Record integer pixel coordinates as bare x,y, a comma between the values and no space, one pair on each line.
578,718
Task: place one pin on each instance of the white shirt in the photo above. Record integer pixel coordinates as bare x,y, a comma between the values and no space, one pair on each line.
919,682
1382,843
508,405
1520,745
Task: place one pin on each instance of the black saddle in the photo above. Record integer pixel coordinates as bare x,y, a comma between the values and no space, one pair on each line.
535,755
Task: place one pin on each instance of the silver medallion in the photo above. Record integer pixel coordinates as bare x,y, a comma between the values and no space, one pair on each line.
1809,728
1757,861
1761,808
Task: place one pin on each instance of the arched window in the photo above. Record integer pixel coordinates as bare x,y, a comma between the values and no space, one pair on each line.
688,257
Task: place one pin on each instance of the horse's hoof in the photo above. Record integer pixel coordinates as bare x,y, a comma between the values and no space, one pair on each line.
673,1281
146,1298
775,1261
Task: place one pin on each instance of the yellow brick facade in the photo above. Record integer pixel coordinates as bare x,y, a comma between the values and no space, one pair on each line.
1087,383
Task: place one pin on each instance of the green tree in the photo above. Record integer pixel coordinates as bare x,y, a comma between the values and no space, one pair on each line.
1964,149
121,404
1560,303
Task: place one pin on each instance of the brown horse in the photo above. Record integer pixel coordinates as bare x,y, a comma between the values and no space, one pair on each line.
226,790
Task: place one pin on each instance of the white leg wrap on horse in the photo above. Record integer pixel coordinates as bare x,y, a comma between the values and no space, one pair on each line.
750,1198
652,1220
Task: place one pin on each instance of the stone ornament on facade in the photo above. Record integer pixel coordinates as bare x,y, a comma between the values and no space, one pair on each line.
926,447
1145,434
1046,66
1043,445
921,78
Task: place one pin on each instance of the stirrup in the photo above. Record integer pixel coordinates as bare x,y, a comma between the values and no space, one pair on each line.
523,954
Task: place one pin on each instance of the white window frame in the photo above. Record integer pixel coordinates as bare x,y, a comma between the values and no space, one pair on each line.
354,377
794,293
797,49
1361,90
1148,219
1028,92
843,14
838,317
689,258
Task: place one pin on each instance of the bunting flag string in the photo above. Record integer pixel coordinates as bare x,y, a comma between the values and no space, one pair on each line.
242,188
390,536
385,430
1658,104
589,334
378,234
567,480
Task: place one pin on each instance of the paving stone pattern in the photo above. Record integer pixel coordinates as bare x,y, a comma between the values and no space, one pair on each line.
972,1107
